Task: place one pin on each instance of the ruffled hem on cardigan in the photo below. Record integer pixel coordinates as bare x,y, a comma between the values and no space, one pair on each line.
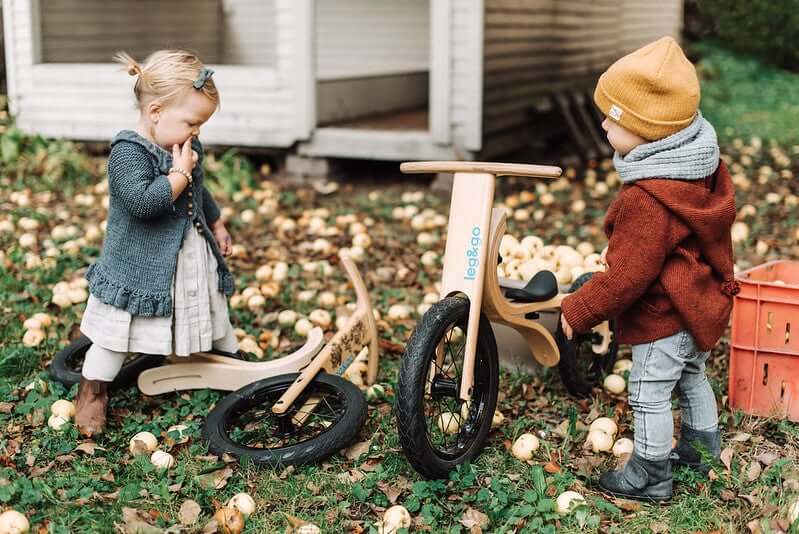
135,301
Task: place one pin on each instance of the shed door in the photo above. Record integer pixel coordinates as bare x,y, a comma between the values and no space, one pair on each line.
373,64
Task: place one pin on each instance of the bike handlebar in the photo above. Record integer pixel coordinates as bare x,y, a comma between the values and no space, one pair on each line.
497,169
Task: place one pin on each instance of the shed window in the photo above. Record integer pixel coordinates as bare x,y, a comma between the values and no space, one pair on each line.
234,32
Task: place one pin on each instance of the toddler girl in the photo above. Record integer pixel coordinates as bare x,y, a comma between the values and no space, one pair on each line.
160,283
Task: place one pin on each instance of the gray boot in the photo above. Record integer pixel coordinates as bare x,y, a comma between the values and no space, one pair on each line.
691,442
641,479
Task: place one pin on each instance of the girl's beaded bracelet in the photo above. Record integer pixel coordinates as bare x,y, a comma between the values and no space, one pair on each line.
184,172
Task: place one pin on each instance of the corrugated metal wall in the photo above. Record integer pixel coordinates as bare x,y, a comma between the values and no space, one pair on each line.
232,32
533,47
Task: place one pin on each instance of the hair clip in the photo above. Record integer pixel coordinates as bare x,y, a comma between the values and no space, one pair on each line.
205,73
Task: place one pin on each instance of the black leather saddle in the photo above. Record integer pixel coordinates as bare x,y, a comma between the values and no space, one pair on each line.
543,286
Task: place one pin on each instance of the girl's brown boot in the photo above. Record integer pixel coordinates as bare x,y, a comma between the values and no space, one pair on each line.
90,406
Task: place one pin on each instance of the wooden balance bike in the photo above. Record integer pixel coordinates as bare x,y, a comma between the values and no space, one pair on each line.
449,378
290,410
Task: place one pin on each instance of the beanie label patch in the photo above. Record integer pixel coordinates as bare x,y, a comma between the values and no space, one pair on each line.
615,112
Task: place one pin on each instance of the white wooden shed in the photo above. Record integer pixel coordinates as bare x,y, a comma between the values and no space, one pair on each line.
379,79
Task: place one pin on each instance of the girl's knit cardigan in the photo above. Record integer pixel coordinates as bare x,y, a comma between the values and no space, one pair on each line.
145,228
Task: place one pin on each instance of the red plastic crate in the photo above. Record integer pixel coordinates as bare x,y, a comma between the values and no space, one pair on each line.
764,354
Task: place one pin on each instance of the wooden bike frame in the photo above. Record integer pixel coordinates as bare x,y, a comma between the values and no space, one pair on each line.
469,238
204,370
358,332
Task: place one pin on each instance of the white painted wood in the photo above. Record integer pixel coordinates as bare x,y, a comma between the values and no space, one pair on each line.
10,45
463,74
380,145
356,38
440,71
36,31
92,101
474,135
305,68
245,40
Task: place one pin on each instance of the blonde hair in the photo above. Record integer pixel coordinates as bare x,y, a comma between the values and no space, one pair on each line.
165,74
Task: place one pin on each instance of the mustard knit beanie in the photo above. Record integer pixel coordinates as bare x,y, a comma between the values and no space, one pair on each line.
652,92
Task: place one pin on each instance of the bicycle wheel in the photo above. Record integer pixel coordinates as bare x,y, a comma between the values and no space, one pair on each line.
428,394
242,423
67,364
579,367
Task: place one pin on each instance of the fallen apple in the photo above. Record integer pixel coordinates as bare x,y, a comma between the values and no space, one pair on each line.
567,501
524,446
243,503
13,522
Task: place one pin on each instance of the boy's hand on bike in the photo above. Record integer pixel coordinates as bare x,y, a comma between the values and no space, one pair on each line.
567,329
183,156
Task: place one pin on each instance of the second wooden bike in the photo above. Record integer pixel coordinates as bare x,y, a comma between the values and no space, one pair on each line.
449,378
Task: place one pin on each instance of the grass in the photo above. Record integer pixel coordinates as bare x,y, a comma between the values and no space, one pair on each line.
743,97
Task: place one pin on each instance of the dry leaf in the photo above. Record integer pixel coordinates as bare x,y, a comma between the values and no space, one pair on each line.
751,499
767,458
355,451
189,512
215,479
39,471
287,472
741,436
211,527
108,477
552,467
109,496
658,528
726,457
627,505
753,471
294,523
136,523
371,464
392,493
712,475
727,495
474,518
754,526
88,447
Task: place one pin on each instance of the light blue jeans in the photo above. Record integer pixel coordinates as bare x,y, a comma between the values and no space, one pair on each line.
658,367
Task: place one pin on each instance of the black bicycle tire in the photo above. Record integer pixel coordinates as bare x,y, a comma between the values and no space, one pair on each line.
411,387
338,436
577,383
61,371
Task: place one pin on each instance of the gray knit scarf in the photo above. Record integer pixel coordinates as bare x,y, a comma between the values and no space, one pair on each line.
690,154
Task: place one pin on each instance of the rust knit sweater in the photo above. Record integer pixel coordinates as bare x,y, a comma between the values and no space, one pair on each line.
670,264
